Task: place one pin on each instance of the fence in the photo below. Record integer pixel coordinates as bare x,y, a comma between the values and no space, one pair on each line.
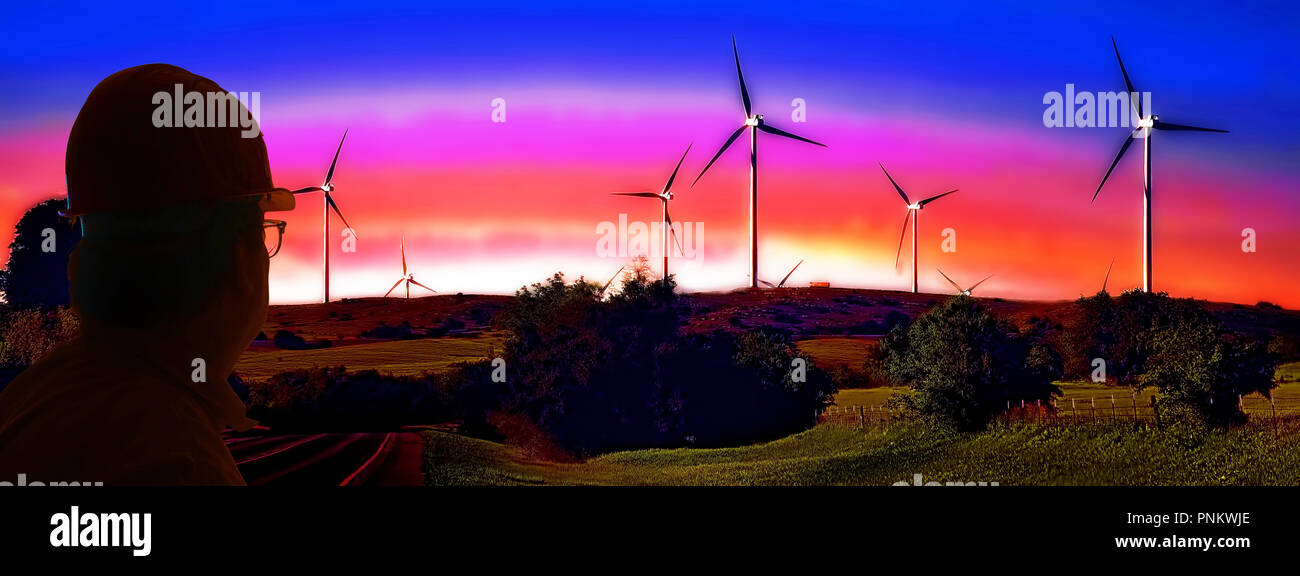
1281,415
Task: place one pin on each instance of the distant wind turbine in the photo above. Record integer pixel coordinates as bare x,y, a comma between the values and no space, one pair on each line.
966,291
604,288
1145,128
782,282
408,278
1107,278
664,195
756,122
913,214
328,188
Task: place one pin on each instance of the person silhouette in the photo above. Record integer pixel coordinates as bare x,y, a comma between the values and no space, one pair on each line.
169,281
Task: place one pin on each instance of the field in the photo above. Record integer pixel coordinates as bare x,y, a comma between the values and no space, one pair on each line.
833,455
1287,393
400,357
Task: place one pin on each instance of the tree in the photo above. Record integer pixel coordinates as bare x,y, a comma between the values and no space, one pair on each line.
37,274
1197,367
964,365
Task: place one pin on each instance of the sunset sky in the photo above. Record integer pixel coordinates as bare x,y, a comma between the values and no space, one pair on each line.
602,99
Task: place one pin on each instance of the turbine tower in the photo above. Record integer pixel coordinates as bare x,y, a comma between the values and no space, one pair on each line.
663,195
756,122
913,214
408,278
328,188
1146,126
963,291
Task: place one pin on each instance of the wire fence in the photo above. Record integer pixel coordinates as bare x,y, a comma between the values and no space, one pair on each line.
1283,416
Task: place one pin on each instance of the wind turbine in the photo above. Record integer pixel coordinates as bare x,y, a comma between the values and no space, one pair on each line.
408,278
1107,278
913,214
960,290
782,282
664,195
1145,128
604,288
756,122
328,188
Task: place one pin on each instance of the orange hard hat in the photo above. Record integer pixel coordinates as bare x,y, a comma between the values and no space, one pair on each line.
126,153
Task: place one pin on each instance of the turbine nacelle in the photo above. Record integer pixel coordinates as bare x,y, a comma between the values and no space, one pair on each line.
915,206
754,120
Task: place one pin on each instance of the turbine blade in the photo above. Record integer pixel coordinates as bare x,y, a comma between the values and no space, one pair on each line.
390,290
1107,278
669,185
330,200
935,197
329,176
779,132
906,218
403,255
673,231
896,186
766,283
637,194
787,274
1127,81
423,286
1168,126
1122,149
725,145
744,92
611,278
308,189
972,288
954,284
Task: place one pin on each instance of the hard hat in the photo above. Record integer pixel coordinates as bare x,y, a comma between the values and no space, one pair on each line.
126,152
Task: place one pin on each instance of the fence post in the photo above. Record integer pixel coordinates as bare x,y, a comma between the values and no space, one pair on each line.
1135,406
1093,401
1074,411
1273,405
1112,409
862,417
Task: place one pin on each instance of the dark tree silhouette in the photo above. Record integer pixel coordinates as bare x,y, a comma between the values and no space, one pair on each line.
35,278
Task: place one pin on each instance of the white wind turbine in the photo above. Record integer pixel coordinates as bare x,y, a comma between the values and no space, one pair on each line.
963,291
754,123
407,277
913,215
663,195
328,188
782,282
1144,130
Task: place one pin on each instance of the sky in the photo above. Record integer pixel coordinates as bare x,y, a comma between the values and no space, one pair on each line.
601,99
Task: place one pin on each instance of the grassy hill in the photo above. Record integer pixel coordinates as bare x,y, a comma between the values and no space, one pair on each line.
835,455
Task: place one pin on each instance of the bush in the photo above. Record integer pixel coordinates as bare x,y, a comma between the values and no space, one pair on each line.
1195,367
964,365
287,340
1175,345
30,334
599,375
333,399
35,278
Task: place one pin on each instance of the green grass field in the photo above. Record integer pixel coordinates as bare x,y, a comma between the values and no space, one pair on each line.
400,357
1287,392
832,455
